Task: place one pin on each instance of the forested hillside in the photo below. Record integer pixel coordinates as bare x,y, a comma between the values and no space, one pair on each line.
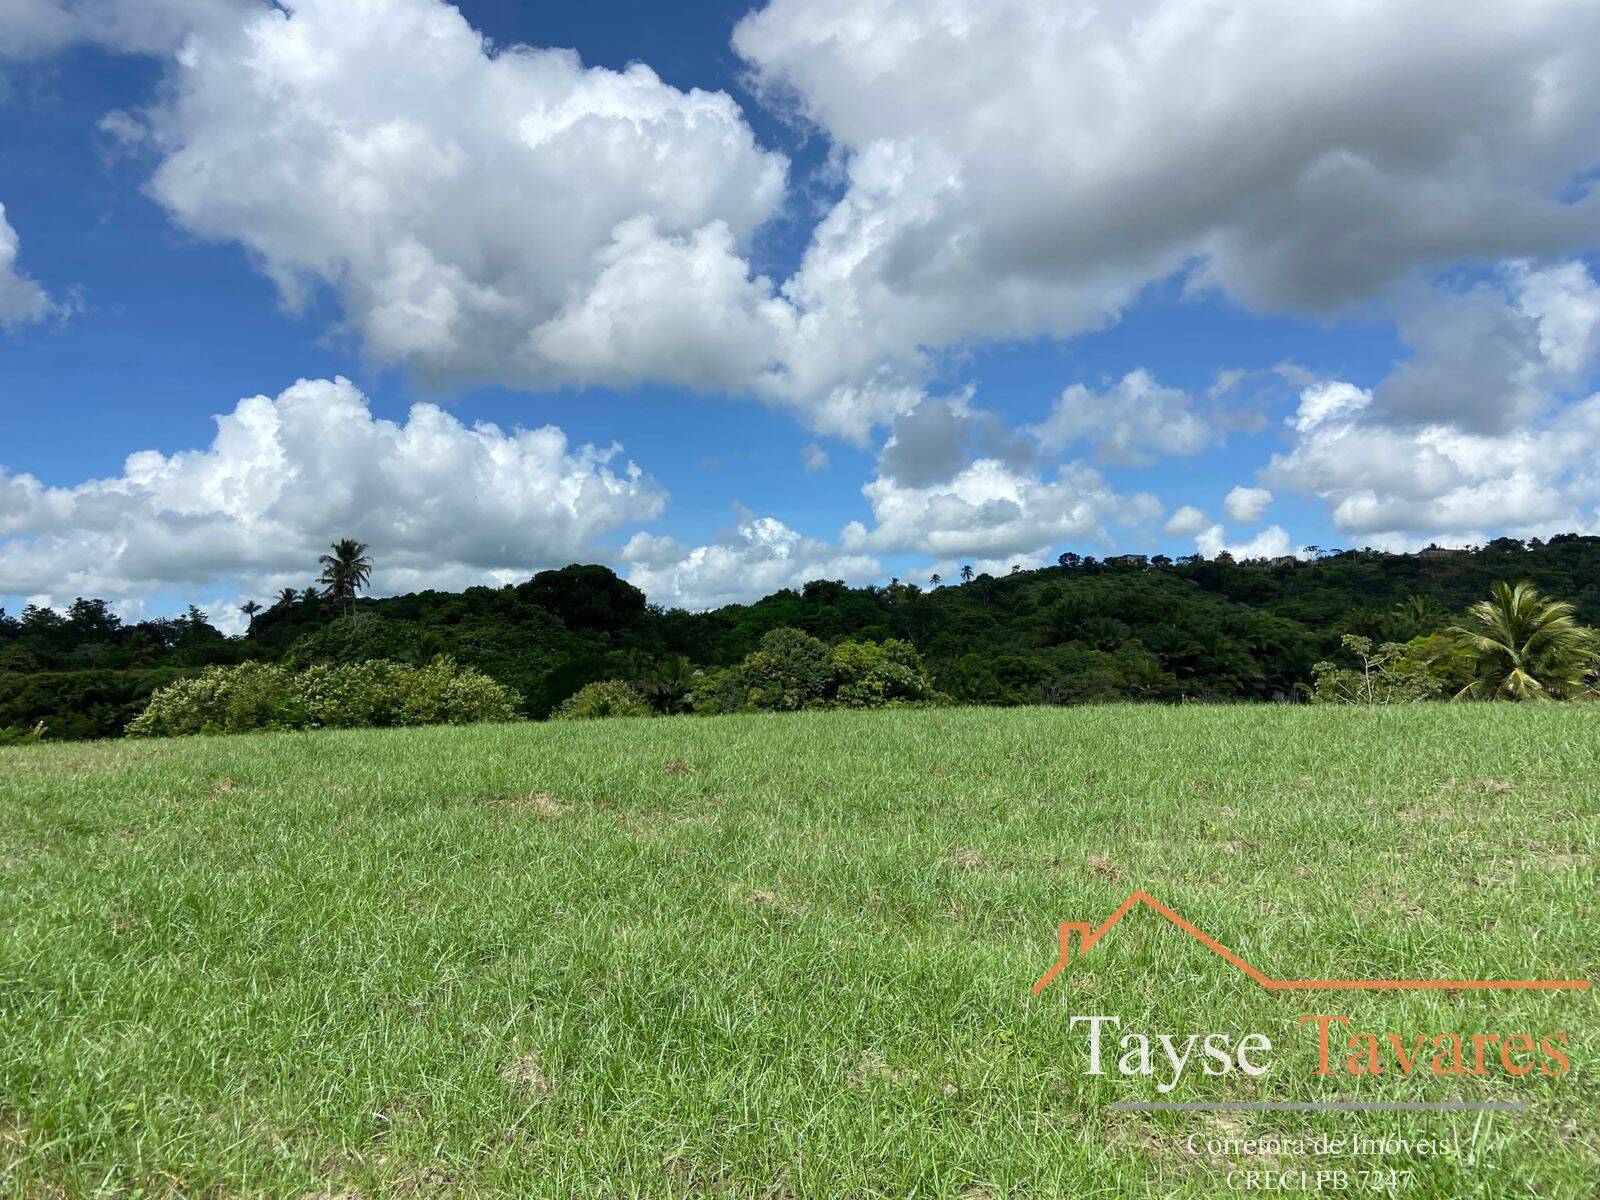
1079,631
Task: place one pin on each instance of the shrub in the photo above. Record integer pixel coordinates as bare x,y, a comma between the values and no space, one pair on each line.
1393,673
788,671
879,674
260,696
77,704
608,698
222,700
793,670
443,693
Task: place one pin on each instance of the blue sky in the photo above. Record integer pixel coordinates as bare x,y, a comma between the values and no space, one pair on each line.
893,255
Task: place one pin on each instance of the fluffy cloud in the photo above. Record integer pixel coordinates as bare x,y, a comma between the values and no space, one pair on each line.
992,510
759,557
1185,522
1465,437
1271,542
929,443
989,513
1395,488
1490,358
507,214
1246,504
35,27
441,504
1300,158
511,215
1132,423
931,498
22,301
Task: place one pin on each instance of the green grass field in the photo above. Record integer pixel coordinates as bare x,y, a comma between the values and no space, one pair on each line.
777,956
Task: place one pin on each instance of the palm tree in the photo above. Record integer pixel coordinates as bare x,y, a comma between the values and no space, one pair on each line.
935,579
1423,612
287,598
250,608
1526,646
346,571
669,686
966,573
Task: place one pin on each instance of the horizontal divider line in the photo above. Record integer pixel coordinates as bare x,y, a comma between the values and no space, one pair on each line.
1320,1106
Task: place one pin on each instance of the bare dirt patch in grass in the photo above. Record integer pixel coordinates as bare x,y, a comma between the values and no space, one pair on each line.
540,804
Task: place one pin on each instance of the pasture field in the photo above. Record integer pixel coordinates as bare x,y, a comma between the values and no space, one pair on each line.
784,955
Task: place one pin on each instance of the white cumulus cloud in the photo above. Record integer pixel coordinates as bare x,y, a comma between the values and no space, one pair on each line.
1271,542
1486,427
1297,157
22,301
1246,504
993,510
480,212
509,214
1185,521
761,556
441,503
1133,422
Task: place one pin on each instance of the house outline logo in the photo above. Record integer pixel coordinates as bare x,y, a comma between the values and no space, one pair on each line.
1089,936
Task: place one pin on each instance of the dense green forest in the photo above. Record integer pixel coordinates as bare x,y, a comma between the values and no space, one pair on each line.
1077,632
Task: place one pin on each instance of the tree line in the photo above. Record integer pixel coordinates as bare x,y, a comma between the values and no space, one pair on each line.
1080,631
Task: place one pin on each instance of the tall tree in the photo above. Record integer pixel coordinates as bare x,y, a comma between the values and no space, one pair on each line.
345,571
935,580
1525,646
966,573
250,608
287,598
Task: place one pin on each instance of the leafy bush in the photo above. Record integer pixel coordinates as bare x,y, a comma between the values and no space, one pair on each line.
788,671
792,670
879,674
257,696
608,698
1393,673
17,736
76,704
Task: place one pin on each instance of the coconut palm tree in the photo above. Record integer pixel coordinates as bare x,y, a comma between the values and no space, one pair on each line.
935,580
1422,612
287,598
345,572
250,608
1525,646
669,685
966,573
